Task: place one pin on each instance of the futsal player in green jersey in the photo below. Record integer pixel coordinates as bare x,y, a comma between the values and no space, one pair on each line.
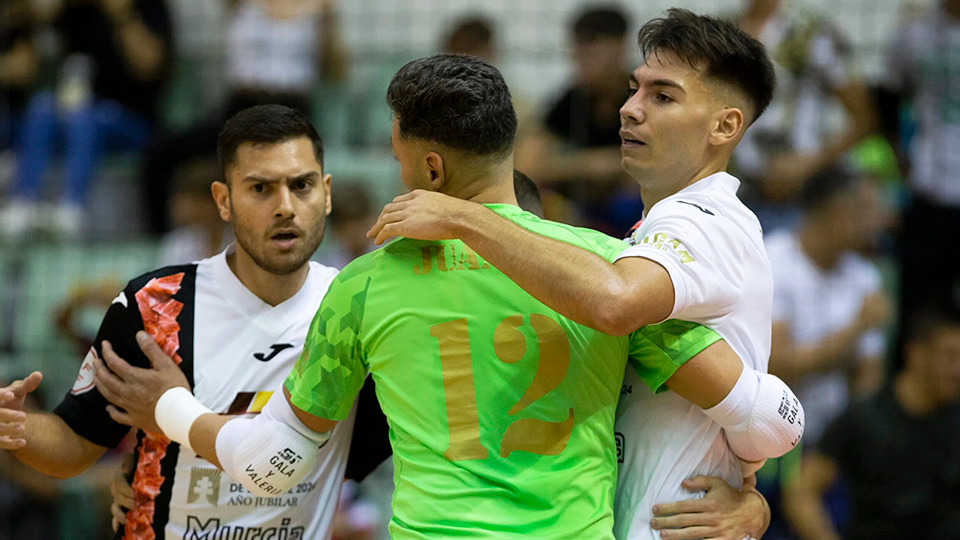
501,411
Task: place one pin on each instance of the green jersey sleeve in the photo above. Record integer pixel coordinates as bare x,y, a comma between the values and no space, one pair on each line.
332,367
658,350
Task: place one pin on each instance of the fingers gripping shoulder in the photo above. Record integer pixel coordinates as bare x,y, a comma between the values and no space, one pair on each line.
270,453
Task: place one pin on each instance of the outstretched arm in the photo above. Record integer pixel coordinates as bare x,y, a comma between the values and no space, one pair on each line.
42,441
582,286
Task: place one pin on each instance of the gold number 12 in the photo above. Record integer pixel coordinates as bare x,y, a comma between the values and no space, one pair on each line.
510,345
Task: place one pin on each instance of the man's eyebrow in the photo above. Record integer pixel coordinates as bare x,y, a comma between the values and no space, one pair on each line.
666,82
633,79
305,176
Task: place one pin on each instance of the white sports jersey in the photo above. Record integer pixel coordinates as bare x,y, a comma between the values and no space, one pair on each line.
815,303
712,247
235,350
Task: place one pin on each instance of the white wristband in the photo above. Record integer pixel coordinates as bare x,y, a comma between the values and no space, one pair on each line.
176,411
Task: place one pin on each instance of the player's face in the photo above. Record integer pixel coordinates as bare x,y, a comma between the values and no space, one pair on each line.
278,202
666,120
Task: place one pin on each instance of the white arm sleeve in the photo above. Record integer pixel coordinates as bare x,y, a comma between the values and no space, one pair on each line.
761,416
270,453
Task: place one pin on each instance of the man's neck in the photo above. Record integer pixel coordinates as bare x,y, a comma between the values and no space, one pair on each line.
912,395
494,188
815,243
652,192
274,289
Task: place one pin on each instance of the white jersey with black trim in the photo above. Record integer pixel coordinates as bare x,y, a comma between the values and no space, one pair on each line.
235,350
711,244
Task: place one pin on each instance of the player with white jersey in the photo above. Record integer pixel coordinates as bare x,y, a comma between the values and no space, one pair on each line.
698,258
235,324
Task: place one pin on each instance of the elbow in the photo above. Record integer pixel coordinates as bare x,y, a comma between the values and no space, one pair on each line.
613,315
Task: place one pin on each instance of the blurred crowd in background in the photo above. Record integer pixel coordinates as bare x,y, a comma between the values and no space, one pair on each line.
109,116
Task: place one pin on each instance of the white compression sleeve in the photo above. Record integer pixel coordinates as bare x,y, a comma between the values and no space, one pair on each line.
175,412
271,452
761,416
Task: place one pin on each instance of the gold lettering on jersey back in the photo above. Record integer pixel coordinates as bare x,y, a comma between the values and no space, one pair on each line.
509,343
537,436
461,257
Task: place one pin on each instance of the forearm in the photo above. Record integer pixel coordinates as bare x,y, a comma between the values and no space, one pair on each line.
54,449
760,530
793,361
576,283
143,51
808,517
203,436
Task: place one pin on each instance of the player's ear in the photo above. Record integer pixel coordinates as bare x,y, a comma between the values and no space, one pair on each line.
434,171
326,186
221,195
727,127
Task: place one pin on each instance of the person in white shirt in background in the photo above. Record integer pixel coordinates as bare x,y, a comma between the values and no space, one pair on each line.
698,256
801,133
923,68
829,308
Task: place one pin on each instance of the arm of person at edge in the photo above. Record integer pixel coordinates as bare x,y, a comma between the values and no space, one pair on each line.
615,298
134,393
42,441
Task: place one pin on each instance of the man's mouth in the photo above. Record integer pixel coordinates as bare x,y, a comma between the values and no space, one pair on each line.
285,239
628,140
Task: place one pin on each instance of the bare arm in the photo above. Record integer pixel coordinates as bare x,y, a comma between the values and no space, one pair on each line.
803,502
54,449
708,377
144,51
42,441
582,286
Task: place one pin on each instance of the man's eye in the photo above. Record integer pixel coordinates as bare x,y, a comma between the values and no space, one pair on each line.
301,185
663,98
631,92
259,188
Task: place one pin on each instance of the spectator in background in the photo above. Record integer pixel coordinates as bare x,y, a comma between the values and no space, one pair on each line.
18,65
116,58
924,70
473,36
576,151
900,448
198,231
276,50
829,311
351,218
795,138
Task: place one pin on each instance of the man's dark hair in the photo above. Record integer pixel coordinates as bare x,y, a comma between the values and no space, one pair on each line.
528,195
264,124
716,48
469,35
601,22
458,101
831,182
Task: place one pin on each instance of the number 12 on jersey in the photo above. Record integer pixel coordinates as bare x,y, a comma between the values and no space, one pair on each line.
510,345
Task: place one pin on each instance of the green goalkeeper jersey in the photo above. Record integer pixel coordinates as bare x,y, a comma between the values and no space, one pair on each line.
501,411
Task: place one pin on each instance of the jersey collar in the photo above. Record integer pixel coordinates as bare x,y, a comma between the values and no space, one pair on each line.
239,294
722,181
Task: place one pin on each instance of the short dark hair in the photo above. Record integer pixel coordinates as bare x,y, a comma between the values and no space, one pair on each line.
468,35
600,22
528,195
823,186
930,317
456,100
264,124
715,47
